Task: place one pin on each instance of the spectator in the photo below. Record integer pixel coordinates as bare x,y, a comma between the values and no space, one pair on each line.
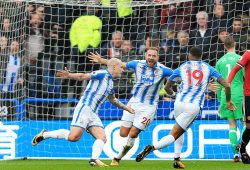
217,50
169,40
129,51
35,39
239,34
113,48
245,20
247,46
219,18
124,85
3,44
150,41
54,42
153,41
176,55
209,5
6,28
203,36
15,13
12,76
35,56
40,11
30,9
179,15
3,56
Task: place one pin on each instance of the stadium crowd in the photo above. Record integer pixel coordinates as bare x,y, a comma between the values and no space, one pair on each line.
35,42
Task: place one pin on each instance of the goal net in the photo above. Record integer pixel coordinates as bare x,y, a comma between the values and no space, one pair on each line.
37,38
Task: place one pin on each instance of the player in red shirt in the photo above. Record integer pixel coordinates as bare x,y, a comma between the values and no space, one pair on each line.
244,61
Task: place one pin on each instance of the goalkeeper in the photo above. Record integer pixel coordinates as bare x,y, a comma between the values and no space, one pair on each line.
224,66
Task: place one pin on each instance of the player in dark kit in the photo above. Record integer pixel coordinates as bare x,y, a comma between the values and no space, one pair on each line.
244,61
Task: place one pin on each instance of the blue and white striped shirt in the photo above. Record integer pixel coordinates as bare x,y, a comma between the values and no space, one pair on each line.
149,80
11,74
98,89
195,76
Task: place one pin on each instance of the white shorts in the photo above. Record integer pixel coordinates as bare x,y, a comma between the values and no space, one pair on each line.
84,117
185,113
144,115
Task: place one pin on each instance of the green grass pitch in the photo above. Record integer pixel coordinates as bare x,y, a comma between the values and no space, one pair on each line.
125,165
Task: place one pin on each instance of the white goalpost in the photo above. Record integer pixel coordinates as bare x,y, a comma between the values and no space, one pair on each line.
37,38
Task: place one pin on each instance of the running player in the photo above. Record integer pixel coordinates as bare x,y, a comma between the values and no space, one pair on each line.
195,76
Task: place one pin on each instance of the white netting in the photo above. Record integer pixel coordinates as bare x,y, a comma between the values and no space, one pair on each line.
42,30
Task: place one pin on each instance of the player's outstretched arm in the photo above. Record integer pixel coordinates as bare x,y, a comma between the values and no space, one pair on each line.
119,104
65,74
235,69
96,58
230,104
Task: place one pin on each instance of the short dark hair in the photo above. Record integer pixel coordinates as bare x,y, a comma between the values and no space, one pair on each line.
196,52
229,42
237,18
222,30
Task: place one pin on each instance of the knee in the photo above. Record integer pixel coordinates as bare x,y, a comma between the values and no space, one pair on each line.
73,138
124,131
123,134
134,133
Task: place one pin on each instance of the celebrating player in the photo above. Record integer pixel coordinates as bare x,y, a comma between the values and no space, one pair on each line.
224,66
85,115
244,61
150,75
195,76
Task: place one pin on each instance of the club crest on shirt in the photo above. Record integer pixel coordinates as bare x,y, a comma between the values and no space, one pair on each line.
158,72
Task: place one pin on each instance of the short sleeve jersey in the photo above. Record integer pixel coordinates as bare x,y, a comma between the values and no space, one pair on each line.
224,66
98,89
244,61
149,80
195,77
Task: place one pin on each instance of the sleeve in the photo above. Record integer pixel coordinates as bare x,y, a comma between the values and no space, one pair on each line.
112,92
167,72
176,74
235,69
245,58
132,64
214,74
97,75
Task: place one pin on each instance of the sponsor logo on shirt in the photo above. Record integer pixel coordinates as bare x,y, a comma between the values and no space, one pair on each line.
147,80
